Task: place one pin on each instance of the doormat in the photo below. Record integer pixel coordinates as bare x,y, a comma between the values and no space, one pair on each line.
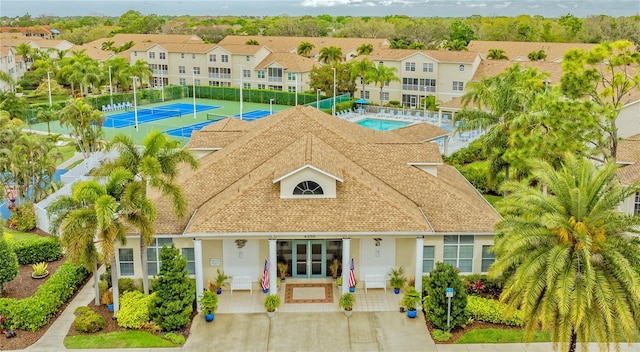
308,293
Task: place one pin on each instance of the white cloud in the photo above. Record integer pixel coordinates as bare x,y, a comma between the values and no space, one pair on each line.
477,5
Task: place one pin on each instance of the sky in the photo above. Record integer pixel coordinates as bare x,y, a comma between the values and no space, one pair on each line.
413,8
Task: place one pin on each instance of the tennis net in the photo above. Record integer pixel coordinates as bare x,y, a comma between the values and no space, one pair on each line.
160,112
212,117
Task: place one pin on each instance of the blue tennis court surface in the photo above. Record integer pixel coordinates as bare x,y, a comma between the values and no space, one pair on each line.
187,130
126,119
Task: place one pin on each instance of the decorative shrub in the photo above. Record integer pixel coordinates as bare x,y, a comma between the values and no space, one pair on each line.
483,286
134,309
89,321
473,152
443,277
34,312
174,338
127,285
107,297
8,263
477,174
81,310
492,311
441,336
172,305
46,249
23,217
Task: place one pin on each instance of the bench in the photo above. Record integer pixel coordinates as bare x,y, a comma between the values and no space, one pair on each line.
375,281
241,283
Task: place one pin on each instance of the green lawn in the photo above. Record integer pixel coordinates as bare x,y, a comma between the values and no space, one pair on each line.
67,151
20,236
492,199
121,339
501,336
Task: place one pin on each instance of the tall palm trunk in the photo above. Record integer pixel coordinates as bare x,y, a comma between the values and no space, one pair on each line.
96,280
114,286
143,261
572,341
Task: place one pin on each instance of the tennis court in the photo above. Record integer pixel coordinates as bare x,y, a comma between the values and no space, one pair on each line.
126,119
187,130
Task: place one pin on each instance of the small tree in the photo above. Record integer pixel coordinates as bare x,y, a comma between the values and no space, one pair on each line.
173,303
441,278
8,263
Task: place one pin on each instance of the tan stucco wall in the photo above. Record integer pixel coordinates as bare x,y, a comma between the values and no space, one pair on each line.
406,255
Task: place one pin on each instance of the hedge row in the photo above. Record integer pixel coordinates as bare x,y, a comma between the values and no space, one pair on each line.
45,249
34,312
134,309
492,311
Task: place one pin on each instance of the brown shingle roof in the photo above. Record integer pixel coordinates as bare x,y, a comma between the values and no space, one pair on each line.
490,68
233,190
628,154
290,44
292,62
421,132
438,55
123,38
513,50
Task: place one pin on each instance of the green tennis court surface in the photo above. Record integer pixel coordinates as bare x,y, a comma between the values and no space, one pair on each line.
145,115
186,131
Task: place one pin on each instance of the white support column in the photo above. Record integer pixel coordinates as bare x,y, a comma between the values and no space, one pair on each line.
273,267
197,256
419,257
346,257
439,117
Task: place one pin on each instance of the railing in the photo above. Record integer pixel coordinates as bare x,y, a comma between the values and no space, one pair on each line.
275,79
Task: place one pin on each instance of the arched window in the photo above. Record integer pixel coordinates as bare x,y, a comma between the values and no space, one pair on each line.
308,188
461,67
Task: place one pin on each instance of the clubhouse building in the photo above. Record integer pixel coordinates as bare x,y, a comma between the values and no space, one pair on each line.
304,188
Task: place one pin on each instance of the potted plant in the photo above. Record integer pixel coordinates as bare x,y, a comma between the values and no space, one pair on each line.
347,300
397,279
107,298
271,303
334,267
39,270
411,300
353,288
339,281
208,305
220,281
282,270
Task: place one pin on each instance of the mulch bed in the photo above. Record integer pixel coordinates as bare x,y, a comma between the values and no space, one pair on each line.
25,286
458,332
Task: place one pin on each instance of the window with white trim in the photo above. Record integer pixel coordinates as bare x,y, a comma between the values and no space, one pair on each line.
636,204
125,259
224,58
461,67
196,82
364,95
181,69
163,56
183,81
193,56
410,66
152,55
306,188
291,89
261,86
246,73
196,70
458,86
190,256
212,57
428,259
153,254
291,76
488,257
427,67
384,95
458,251
246,85
260,74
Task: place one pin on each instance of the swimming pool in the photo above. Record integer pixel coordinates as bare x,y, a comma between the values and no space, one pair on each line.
382,125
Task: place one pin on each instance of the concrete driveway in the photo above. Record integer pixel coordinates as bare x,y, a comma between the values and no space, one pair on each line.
363,331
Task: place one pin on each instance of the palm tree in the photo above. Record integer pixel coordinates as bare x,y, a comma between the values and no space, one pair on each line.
6,77
497,54
107,45
330,55
456,45
48,114
381,75
398,44
537,55
359,68
304,48
252,42
86,124
140,69
417,46
26,52
499,99
156,165
365,49
572,257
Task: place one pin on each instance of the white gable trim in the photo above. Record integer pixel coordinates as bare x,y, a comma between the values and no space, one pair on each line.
307,166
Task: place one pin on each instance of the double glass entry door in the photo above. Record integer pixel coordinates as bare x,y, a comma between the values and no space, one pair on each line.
309,258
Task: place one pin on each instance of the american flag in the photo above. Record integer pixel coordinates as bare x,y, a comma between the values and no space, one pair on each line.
265,275
352,275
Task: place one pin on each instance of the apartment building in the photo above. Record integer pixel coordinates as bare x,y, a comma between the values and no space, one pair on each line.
8,65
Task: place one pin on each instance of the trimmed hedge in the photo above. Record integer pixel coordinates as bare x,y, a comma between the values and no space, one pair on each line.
492,311
89,321
46,249
34,312
134,309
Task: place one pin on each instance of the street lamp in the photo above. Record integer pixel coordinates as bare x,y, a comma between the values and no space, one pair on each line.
110,88
424,113
270,106
135,102
296,88
318,99
162,82
49,80
194,93
333,108
241,87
